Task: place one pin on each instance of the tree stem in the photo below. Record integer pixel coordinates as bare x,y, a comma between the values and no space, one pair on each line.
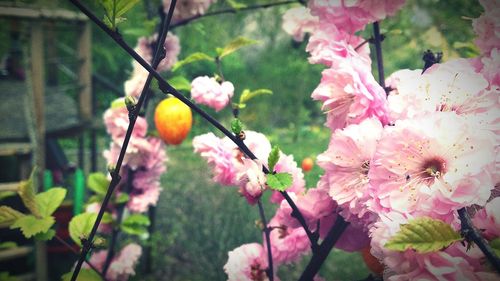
377,37
267,231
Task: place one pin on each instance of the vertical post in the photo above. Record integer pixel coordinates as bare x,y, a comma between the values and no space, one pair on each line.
38,88
378,51
85,72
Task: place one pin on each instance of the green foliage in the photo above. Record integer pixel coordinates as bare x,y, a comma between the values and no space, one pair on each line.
236,126
180,83
247,95
7,245
115,9
122,198
423,235
86,274
45,236
279,181
6,194
234,46
495,244
236,5
273,158
135,224
50,200
80,226
98,183
31,225
27,193
198,56
8,216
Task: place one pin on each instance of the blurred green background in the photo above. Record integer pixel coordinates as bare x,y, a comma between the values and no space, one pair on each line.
198,222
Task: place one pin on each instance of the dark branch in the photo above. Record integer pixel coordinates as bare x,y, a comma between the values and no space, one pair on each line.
377,38
267,231
232,11
430,59
472,234
133,117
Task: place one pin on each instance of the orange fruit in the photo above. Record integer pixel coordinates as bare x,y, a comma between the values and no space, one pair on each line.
307,164
372,262
173,120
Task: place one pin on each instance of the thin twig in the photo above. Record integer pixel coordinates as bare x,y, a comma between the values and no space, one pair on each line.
377,37
115,177
267,231
470,232
167,88
67,245
232,11
324,249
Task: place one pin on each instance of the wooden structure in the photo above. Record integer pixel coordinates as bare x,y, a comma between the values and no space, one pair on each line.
36,107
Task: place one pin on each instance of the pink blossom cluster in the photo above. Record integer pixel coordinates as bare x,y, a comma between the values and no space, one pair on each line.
122,265
145,157
208,91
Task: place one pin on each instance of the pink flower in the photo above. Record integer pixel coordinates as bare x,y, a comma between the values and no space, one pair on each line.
137,149
298,21
329,45
487,27
346,164
287,244
252,180
188,8
116,121
135,85
437,163
350,94
247,263
404,94
140,201
491,64
122,265
286,164
207,91
488,219
172,50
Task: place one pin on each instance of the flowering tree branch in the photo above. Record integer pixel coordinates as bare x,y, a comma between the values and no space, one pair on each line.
115,172
472,234
166,88
378,51
267,231
233,11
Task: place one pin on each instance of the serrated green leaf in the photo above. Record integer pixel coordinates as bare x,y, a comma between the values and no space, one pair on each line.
98,182
236,126
27,193
180,83
85,274
122,198
114,9
122,6
8,245
495,244
135,224
192,58
247,95
45,236
80,226
423,235
8,216
273,158
236,5
31,225
279,181
48,201
235,45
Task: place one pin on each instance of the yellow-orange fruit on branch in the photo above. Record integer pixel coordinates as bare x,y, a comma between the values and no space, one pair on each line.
173,120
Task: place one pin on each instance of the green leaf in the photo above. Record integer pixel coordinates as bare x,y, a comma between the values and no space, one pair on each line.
50,200
107,218
86,274
423,235
236,126
192,58
31,225
122,6
235,45
8,245
114,9
122,198
235,5
95,199
495,244
98,182
46,235
246,95
279,181
135,224
27,193
180,83
8,216
80,226
273,158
